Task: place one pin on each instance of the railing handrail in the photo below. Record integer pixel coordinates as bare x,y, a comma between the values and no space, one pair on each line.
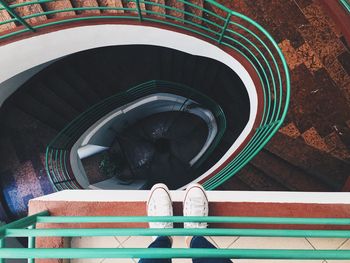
345,4
19,229
207,219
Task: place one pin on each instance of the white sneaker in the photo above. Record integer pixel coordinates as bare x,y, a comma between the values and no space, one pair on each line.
195,204
159,204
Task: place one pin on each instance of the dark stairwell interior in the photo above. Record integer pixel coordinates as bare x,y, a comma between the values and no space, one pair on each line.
45,104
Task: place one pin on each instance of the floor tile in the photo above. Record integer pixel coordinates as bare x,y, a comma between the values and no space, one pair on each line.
179,242
271,242
117,260
87,260
326,243
122,239
224,242
94,242
182,260
338,261
346,245
137,242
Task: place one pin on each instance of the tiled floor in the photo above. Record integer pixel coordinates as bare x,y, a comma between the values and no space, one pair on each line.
220,242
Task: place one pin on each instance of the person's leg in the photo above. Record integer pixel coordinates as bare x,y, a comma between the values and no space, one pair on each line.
196,204
159,204
160,242
202,242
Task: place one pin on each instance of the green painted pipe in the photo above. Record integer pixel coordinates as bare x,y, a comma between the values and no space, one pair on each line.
19,253
208,219
84,232
23,222
345,4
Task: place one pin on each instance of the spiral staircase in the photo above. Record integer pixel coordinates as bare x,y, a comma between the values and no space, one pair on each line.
44,117
55,97
51,102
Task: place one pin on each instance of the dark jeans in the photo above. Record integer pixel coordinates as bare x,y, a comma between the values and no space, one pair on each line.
196,242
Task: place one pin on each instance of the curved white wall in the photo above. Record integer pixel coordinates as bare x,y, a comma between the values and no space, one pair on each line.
28,53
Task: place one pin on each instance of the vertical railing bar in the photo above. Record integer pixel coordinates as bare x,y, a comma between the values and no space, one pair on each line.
228,18
15,15
31,244
138,6
2,245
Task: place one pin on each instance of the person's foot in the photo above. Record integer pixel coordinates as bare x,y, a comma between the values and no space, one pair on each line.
159,204
195,204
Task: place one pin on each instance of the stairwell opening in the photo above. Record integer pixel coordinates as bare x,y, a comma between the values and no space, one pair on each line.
66,88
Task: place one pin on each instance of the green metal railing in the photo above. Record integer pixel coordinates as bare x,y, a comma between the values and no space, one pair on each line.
27,227
213,22
58,151
345,4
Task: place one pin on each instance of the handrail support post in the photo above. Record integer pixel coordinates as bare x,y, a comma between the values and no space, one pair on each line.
138,6
2,245
228,18
31,243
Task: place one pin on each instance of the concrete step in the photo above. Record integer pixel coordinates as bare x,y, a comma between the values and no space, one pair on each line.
132,4
47,97
18,119
8,154
258,180
29,10
229,92
202,69
23,141
175,4
177,63
287,174
111,3
30,105
63,90
81,85
189,67
158,9
234,184
87,67
107,67
166,61
58,5
86,3
195,11
323,166
4,16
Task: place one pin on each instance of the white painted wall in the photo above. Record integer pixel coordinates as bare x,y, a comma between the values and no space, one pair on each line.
27,53
10,85
213,196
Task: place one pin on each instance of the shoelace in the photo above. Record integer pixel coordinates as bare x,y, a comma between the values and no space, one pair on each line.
197,207
161,205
